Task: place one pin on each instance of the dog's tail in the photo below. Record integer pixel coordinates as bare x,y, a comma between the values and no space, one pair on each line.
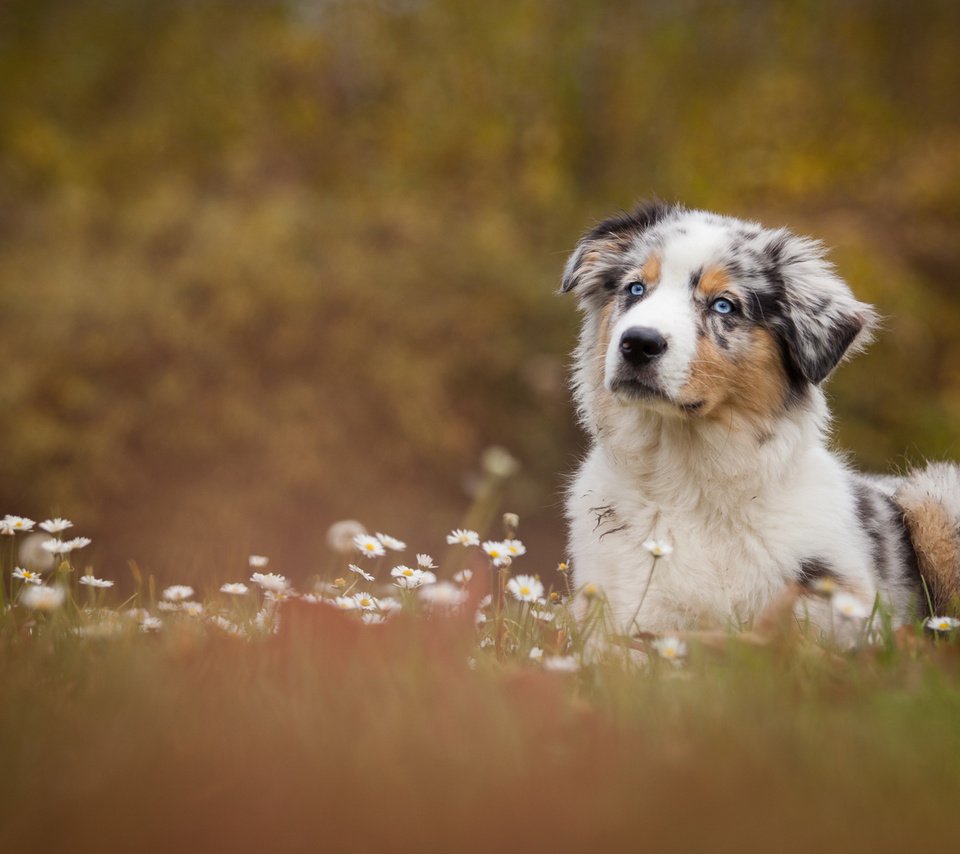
930,500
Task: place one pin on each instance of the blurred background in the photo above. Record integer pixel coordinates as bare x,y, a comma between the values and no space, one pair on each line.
266,265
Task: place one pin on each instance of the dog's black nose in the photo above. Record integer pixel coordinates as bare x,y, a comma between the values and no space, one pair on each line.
640,345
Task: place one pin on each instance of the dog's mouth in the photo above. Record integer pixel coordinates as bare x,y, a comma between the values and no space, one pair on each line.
636,390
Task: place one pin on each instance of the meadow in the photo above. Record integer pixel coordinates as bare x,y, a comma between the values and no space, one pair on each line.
272,264
395,705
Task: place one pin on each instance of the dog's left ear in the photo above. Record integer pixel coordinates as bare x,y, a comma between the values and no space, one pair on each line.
821,320
593,268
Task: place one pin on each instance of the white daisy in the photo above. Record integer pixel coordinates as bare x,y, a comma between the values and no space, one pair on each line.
93,581
658,548
536,654
463,537
56,526
151,624
43,598
409,578
388,604
235,588
193,609
464,576
526,588
13,524
365,575
345,603
370,546
177,593
270,581
391,542
425,562
514,548
498,552
366,602
543,616
168,607
372,618
57,547
670,648
257,561
266,621
849,606
27,575
942,624
78,543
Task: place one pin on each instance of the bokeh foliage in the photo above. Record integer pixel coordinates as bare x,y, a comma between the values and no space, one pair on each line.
267,264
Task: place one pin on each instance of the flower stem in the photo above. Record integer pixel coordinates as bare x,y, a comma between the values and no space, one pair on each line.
643,596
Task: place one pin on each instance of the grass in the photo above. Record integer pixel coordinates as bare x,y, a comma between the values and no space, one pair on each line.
329,734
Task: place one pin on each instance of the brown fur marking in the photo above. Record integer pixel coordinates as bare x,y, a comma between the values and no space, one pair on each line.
938,552
714,282
650,272
748,379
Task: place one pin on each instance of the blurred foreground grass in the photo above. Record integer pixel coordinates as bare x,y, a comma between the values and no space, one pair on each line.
336,736
459,715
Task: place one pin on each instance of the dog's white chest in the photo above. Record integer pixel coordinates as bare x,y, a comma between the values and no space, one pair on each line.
726,562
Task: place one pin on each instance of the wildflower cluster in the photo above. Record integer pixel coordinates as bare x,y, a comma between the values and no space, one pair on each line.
40,584
516,616
519,617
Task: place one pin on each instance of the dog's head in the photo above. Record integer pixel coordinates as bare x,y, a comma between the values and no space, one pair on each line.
693,313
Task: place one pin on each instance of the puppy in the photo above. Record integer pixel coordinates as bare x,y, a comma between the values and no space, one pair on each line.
699,376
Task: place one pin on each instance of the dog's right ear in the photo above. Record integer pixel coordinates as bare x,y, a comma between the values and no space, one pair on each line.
595,266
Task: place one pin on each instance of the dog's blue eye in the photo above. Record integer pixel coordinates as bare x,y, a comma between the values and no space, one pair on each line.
722,306
637,289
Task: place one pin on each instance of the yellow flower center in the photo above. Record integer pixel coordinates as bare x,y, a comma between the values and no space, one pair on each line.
524,591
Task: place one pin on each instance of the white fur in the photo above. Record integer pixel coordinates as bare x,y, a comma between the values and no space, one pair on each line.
740,520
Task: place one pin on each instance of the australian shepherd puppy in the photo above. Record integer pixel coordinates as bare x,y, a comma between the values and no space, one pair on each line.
705,344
